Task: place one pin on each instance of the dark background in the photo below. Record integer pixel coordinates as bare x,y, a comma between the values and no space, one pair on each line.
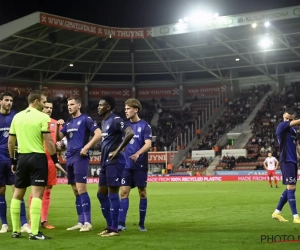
133,13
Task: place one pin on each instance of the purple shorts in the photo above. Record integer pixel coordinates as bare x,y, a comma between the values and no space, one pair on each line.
6,176
289,173
77,169
134,178
111,175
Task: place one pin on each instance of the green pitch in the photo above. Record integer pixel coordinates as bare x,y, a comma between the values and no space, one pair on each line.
216,215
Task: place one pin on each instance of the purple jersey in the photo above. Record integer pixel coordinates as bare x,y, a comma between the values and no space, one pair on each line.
112,130
142,132
287,138
78,131
5,121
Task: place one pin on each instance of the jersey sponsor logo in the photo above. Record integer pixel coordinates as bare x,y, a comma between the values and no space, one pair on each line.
132,140
6,134
72,130
103,136
4,129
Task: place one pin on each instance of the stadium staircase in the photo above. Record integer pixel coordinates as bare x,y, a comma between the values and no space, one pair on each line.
180,156
246,131
246,127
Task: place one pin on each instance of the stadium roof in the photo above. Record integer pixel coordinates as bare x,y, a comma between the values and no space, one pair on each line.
49,44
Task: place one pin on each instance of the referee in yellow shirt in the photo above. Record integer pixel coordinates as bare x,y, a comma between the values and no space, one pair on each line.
31,128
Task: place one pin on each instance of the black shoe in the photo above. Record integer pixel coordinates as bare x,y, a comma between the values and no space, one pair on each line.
271,186
276,186
16,235
39,236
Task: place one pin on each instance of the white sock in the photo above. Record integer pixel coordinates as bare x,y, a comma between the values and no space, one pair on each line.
296,216
277,211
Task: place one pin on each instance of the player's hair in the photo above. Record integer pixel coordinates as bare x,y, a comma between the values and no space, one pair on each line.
6,94
75,98
290,111
49,101
109,100
134,103
35,94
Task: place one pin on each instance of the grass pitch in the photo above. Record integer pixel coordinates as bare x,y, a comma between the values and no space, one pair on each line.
216,215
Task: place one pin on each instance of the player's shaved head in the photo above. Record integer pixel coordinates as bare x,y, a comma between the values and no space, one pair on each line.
110,101
289,114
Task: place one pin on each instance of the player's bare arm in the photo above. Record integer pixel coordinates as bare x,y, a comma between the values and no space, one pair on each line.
298,149
11,148
128,136
265,166
50,145
277,163
59,135
294,123
96,138
143,150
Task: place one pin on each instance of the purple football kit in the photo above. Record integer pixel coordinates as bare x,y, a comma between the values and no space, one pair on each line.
78,131
287,138
6,175
112,128
135,174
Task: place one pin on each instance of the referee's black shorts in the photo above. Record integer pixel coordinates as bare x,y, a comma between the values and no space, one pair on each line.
32,170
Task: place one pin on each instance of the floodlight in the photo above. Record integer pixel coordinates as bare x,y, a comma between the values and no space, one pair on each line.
265,43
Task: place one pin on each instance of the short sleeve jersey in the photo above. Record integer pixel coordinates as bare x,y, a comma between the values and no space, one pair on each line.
142,132
28,126
287,138
78,131
5,122
112,129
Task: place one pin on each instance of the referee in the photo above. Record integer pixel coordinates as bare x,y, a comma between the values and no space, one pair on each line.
31,128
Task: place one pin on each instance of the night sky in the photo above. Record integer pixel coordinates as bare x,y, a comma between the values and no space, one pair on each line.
132,13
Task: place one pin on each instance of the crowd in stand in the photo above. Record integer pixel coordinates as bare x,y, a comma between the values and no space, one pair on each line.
264,126
202,163
174,121
237,111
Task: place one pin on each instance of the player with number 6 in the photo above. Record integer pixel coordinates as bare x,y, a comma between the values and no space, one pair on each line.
112,163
